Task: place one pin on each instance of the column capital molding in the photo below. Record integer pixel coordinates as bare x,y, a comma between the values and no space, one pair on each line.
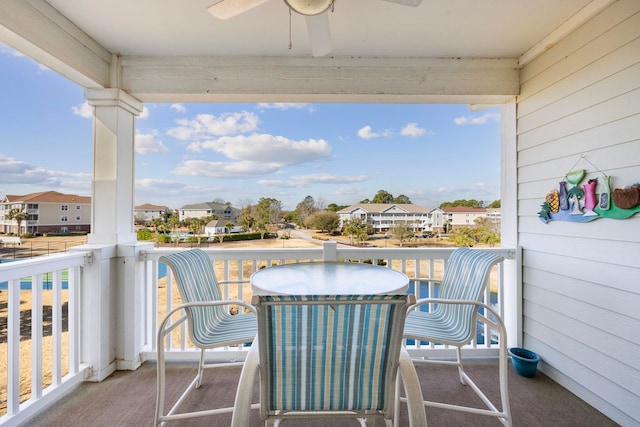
113,97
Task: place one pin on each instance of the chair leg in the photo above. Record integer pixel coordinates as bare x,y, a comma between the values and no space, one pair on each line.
250,372
200,369
412,390
460,367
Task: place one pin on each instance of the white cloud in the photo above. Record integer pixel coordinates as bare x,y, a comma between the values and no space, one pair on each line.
412,129
476,120
478,191
305,180
10,51
158,185
14,171
207,125
266,148
147,143
179,108
367,133
84,110
348,191
144,114
282,105
243,169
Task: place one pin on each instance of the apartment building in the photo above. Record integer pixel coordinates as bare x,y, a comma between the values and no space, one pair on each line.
383,216
146,212
47,212
201,210
462,216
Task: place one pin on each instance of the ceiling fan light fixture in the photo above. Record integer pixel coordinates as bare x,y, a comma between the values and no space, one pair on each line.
309,7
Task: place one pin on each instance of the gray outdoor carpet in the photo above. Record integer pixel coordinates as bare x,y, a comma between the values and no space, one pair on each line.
128,399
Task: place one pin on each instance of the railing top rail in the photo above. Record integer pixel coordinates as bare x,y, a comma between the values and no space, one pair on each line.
342,251
43,264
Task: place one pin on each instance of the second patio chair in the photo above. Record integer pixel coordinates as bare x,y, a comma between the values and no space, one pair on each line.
452,318
209,323
329,357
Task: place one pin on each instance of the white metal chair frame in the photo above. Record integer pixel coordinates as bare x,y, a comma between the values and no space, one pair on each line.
194,266
495,322
165,329
256,365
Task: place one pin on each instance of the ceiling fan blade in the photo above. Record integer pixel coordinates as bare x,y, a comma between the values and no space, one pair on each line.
406,2
227,9
319,34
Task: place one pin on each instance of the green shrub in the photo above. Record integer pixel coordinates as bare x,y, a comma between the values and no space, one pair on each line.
145,234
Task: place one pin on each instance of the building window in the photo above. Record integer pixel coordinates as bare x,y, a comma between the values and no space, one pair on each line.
77,217
64,207
78,207
64,218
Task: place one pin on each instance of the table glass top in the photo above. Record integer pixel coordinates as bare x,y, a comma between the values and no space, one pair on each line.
328,278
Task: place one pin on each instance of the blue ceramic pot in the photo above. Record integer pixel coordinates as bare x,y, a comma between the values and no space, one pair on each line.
524,361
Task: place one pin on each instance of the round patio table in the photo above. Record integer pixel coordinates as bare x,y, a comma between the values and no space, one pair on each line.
328,278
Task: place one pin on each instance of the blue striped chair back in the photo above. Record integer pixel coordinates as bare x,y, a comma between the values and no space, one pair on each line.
196,281
329,353
465,277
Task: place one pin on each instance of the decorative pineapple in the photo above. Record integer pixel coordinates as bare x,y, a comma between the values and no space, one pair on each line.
553,198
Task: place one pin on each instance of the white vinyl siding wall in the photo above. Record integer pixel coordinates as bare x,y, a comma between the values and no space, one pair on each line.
581,281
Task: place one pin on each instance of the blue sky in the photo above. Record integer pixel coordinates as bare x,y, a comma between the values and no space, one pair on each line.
193,153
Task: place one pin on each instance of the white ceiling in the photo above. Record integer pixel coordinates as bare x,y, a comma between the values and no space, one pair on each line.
373,28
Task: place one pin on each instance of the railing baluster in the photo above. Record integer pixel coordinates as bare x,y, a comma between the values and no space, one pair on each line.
56,328
37,284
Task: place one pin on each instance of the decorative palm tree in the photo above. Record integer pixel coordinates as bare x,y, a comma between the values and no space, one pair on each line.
575,192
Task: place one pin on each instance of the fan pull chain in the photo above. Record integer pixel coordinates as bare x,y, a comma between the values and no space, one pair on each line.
290,44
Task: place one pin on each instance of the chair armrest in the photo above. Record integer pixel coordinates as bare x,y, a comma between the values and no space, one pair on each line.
163,329
497,324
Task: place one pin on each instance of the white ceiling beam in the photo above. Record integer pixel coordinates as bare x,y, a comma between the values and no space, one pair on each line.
254,79
36,29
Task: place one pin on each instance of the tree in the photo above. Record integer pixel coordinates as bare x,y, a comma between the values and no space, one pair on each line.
305,209
196,226
403,199
357,228
494,205
268,211
326,221
383,196
402,231
174,222
463,237
335,208
17,215
472,203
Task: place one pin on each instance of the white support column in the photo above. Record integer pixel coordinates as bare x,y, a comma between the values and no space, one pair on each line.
111,300
113,166
509,225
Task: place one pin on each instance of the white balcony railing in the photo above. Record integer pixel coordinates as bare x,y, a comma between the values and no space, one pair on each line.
234,267
57,348
40,340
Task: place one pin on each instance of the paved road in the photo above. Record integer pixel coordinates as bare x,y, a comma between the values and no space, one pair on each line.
306,235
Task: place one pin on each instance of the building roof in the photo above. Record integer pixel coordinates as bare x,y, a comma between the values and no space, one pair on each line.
47,197
384,207
150,207
206,206
460,209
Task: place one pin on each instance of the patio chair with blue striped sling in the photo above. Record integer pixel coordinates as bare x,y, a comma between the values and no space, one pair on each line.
329,357
209,323
453,322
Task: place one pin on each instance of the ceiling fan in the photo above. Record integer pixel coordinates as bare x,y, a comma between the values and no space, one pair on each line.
315,11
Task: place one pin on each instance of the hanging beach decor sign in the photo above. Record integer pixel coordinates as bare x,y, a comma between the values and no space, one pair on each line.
592,200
